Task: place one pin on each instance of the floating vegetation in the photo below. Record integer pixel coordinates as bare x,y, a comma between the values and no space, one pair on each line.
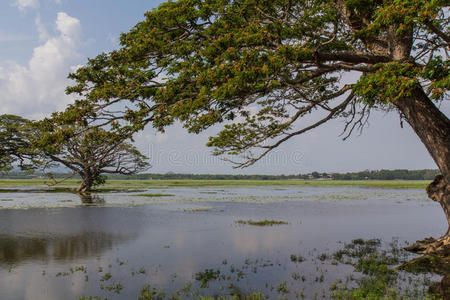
379,278
261,223
282,288
30,196
297,258
375,275
154,195
351,270
114,287
106,277
150,293
198,209
207,276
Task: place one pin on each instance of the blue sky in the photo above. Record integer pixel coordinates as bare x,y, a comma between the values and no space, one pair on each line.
41,41
101,20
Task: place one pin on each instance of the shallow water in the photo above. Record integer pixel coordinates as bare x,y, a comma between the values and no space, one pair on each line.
50,242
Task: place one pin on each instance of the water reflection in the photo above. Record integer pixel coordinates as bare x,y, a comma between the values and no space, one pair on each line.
66,234
165,239
89,199
16,250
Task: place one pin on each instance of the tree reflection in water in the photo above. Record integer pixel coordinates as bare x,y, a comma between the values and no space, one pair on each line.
89,199
17,249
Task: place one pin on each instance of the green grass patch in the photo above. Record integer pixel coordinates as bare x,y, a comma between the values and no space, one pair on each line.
261,223
126,184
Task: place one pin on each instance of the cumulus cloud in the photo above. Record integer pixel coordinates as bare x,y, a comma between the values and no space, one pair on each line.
42,31
37,89
23,4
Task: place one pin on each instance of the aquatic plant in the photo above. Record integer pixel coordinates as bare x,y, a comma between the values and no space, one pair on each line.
207,276
261,223
379,280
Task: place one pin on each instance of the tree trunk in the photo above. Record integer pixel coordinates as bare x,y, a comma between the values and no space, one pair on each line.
86,184
433,129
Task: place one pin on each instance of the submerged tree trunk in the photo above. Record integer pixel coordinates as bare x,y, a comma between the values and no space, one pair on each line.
86,184
433,129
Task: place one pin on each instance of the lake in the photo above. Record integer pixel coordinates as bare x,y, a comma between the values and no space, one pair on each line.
54,246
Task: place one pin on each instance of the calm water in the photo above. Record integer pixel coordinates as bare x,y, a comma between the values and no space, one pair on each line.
54,247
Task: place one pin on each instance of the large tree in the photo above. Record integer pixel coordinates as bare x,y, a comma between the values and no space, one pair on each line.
259,66
15,147
88,152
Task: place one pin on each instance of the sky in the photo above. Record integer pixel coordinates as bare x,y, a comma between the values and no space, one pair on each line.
41,41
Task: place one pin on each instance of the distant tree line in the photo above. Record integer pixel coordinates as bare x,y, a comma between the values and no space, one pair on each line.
388,175
399,174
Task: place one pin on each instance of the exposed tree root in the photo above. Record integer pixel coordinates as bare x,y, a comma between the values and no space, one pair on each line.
431,246
430,263
439,191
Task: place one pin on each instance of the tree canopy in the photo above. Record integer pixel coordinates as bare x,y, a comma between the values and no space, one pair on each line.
15,147
260,66
88,152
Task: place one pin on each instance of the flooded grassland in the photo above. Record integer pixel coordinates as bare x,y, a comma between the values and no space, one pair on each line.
183,241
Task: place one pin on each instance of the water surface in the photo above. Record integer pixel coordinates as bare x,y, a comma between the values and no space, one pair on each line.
52,246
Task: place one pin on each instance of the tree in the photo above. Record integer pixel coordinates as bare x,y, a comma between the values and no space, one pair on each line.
89,152
266,64
15,149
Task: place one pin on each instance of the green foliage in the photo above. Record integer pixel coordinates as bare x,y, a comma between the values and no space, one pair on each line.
207,276
396,80
88,151
16,135
149,293
389,83
379,278
260,66
99,180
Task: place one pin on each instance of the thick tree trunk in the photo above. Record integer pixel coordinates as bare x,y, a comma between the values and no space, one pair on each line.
86,184
433,129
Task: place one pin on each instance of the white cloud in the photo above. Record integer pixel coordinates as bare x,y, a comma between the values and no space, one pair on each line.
42,31
37,89
22,4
